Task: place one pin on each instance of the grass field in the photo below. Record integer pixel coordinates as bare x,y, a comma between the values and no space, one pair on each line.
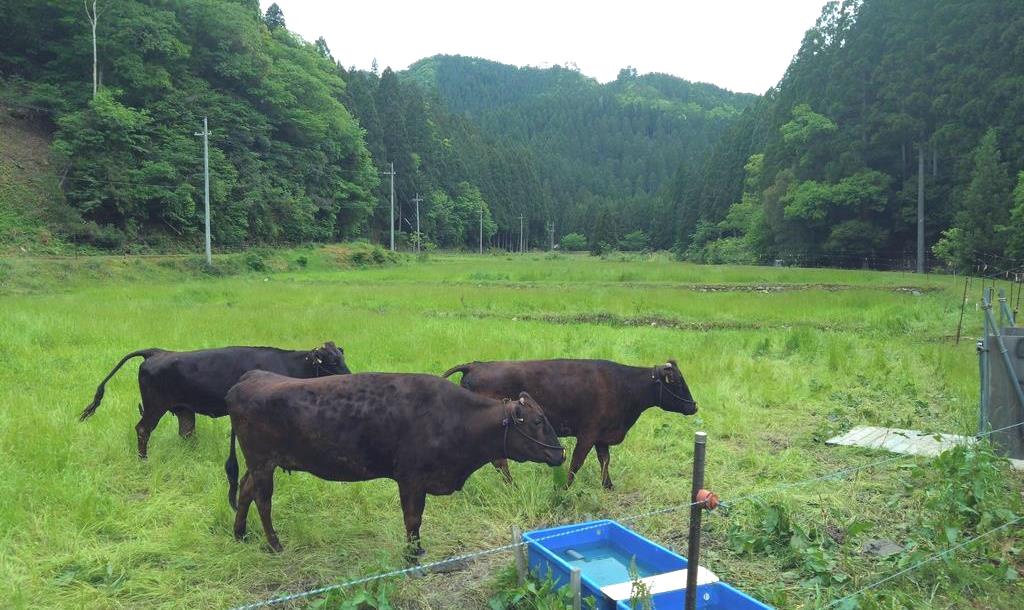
779,359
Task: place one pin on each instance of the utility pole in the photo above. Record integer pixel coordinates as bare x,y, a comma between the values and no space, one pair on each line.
419,237
206,170
552,234
920,208
392,174
481,228
520,233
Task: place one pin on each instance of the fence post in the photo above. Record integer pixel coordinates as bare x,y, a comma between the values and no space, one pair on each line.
983,364
696,510
517,539
576,585
1005,315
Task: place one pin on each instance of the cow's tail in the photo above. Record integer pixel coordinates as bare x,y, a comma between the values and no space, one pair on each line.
95,404
231,468
462,368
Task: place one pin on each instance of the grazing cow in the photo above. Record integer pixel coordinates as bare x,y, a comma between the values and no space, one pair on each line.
421,431
186,383
596,401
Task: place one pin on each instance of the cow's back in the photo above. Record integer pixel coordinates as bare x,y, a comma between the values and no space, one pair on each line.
200,379
570,391
352,427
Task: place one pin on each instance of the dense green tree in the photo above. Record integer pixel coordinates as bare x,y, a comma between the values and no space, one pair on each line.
874,84
634,241
572,242
981,233
274,18
603,234
1015,230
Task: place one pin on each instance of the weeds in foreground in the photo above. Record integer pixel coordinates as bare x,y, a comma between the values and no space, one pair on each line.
967,491
376,596
534,594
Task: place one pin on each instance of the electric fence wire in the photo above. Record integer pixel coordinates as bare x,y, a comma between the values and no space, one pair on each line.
426,568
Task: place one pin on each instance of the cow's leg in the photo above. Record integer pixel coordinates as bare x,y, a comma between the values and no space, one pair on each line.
603,457
502,466
246,490
186,423
263,481
414,500
579,453
152,409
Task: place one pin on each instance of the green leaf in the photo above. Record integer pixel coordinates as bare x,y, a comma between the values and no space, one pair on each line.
952,533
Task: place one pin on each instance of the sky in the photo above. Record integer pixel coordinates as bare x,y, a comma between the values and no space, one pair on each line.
741,45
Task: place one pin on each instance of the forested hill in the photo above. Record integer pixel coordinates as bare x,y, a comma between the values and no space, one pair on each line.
299,145
602,153
824,168
288,159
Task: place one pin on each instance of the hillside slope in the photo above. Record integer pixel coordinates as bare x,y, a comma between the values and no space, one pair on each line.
288,160
30,194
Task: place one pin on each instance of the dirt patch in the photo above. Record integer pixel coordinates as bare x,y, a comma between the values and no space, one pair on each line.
609,319
773,288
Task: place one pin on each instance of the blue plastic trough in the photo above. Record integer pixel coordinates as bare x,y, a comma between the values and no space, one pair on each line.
604,552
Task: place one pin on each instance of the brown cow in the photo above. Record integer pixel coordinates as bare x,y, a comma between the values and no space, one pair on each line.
421,431
597,401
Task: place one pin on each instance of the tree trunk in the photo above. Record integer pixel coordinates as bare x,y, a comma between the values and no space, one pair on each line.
93,18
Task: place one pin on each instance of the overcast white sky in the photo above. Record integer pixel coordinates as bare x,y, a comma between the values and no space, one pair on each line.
742,45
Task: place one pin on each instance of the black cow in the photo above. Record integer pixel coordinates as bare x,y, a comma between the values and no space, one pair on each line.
421,431
186,383
597,401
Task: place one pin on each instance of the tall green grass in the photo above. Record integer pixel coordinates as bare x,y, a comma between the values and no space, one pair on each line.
84,523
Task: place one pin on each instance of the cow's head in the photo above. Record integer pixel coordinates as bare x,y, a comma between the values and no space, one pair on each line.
528,435
328,359
672,391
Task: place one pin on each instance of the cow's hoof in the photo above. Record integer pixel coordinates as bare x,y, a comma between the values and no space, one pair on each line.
275,547
608,485
240,535
412,555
